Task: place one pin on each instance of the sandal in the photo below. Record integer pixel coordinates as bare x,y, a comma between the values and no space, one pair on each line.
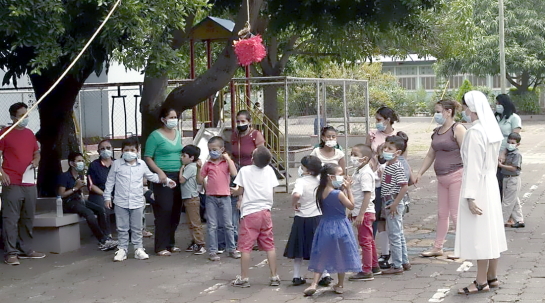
493,283
310,290
480,288
164,253
338,289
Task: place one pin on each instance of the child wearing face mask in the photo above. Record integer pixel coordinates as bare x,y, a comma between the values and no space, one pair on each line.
127,176
307,215
334,246
394,186
363,214
510,168
328,151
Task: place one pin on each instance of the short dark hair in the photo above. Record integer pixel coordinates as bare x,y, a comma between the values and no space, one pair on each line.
245,113
397,141
131,141
192,151
364,149
514,136
388,113
262,156
216,139
73,155
313,164
104,141
15,107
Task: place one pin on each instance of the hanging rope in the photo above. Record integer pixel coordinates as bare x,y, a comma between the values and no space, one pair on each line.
65,72
249,48
243,33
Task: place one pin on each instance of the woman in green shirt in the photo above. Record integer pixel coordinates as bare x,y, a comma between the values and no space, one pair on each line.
162,155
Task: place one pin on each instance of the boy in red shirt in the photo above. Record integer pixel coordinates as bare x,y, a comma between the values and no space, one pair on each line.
219,169
19,151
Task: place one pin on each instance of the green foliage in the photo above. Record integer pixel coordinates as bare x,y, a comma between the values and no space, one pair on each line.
39,35
466,87
526,103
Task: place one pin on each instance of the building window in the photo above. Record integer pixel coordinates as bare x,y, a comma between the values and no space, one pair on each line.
428,82
427,70
388,69
406,70
455,82
408,83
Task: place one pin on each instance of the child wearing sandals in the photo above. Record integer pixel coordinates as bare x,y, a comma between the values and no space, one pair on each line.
334,246
307,215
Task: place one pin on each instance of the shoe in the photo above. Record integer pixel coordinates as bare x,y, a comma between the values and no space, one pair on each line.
298,281
275,281
432,253
452,257
235,254
383,262
213,257
338,289
325,281
164,253
393,271
175,249
407,266
120,255
239,282
140,254
310,291
108,245
220,251
361,276
32,255
200,250
377,271
12,260
191,248
518,225
146,234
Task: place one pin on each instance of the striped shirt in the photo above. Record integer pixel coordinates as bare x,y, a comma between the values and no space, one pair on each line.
393,178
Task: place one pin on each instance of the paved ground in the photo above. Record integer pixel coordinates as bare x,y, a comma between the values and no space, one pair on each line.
88,275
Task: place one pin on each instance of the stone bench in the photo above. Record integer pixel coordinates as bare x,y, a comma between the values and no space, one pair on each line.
53,234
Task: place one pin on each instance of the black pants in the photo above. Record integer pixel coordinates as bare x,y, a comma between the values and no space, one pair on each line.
98,200
167,210
88,210
18,208
499,176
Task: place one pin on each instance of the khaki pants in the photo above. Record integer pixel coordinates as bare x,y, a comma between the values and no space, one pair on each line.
193,212
511,203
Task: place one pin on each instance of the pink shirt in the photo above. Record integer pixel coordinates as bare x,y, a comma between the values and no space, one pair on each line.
219,178
377,138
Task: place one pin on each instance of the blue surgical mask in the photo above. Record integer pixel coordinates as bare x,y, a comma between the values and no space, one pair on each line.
439,119
215,154
380,126
338,182
129,156
387,156
171,123
511,147
499,109
106,154
24,122
80,166
465,117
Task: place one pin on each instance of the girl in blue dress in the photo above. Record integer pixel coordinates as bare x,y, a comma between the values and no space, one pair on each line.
334,246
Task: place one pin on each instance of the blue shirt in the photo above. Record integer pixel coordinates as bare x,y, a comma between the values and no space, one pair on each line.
98,173
68,181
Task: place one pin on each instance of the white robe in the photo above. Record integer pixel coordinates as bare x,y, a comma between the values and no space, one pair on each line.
480,237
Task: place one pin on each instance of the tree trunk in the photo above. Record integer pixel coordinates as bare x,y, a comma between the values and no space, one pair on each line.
57,134
153,95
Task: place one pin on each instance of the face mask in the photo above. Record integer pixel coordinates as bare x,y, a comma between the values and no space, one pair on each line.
242,127
499,109
215,154
465,117
338,182
300,171
387,156
24,122
355,161
106,154
439,119
511,147
171,123
80,166
331,143
129,156
380,126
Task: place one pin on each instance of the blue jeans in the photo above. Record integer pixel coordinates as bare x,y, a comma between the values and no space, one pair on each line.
235,221
398,246
219,207
129,219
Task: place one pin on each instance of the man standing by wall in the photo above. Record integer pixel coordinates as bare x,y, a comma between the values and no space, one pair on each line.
19,151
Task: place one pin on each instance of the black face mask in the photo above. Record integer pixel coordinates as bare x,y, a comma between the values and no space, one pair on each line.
242,128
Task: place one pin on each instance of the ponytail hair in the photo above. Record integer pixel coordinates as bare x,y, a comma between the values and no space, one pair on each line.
405,138
327,169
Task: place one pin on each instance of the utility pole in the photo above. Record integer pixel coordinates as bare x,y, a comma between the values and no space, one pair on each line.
503,72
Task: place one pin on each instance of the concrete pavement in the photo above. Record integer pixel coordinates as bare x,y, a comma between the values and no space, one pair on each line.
89,275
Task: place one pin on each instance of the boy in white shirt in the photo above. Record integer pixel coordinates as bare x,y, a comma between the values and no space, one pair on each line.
127,176
363,214
256,184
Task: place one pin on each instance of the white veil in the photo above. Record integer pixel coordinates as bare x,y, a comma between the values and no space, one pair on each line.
478,103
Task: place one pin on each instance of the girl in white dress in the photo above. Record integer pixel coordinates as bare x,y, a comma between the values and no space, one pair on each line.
480,234
328,151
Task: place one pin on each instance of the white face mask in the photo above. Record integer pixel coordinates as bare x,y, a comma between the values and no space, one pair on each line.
129,156
356,161
511,147
80,166
331,143
171,123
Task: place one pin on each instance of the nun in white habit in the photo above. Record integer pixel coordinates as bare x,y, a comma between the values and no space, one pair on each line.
480,234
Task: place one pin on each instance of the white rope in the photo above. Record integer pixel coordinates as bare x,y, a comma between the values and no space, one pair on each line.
65,72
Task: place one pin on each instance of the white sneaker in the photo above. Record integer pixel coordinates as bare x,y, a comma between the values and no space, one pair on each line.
140,254
120,255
